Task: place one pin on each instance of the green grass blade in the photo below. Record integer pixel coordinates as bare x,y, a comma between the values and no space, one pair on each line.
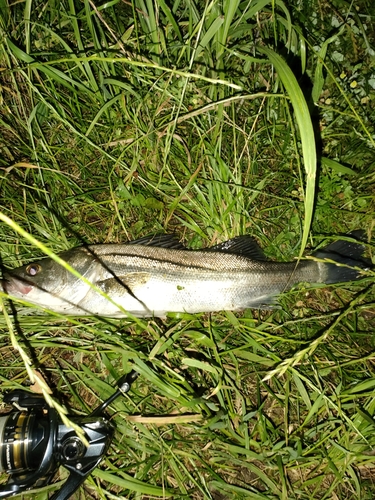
307,135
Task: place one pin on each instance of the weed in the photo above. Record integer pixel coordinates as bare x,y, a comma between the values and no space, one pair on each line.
209,120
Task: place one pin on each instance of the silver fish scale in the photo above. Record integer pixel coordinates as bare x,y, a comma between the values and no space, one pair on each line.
132,258
144,279
152,281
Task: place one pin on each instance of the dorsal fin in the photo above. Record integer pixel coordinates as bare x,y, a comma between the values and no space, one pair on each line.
351,249
241,245
159,240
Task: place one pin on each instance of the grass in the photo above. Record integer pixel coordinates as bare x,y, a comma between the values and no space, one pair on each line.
122,119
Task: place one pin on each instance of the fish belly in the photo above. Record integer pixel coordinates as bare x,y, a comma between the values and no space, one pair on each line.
192,296
163,294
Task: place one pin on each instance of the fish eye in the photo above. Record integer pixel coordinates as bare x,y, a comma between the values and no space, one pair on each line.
33,269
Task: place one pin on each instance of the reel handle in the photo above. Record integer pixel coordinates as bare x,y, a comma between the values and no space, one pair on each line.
123,386
77,476
73,482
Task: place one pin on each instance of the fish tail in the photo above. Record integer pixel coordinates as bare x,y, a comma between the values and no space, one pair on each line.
348,258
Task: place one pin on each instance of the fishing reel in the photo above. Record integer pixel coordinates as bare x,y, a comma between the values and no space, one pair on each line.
34,442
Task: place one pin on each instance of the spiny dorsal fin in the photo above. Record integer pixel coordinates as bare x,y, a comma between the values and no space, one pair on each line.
159,240
245,246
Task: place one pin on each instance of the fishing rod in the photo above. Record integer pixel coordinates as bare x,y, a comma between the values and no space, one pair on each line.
34,442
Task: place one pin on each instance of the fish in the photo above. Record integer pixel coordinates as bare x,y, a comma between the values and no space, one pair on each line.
157,275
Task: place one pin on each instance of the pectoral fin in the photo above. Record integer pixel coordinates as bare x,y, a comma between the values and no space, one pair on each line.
122,284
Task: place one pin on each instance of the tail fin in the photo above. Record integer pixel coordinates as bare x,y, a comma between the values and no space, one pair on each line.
348,253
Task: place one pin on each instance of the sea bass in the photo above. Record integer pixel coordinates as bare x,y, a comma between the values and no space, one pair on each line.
155,275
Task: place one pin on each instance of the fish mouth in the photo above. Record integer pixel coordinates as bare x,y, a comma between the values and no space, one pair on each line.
15,286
